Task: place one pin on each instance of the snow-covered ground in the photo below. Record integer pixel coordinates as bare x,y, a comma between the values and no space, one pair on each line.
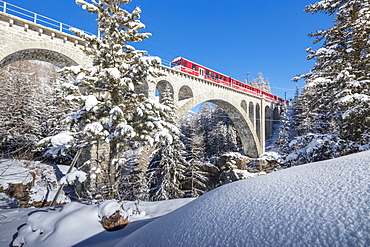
75,224
320,204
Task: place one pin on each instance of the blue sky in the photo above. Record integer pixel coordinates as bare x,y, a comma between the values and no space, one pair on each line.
234,37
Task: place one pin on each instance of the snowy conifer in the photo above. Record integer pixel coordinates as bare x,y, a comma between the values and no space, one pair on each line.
284,130
261,83
31,108
166,172
336,95
196,179
111,111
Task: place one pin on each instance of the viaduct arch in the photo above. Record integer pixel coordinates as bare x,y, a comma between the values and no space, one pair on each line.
24,40
252,116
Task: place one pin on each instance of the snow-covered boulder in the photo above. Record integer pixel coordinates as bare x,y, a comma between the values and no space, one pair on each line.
112,216
234,166
267,162
233,160
31,182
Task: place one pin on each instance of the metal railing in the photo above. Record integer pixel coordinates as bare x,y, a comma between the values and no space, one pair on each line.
45,21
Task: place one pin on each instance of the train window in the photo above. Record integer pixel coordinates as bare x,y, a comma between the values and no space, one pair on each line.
175,64
207,72
184,63
194,67
216,76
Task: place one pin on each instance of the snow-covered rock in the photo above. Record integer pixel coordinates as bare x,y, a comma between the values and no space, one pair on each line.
31,182
235,166
267,162
112,215
238,160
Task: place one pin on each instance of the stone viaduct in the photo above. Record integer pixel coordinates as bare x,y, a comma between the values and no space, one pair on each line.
252,116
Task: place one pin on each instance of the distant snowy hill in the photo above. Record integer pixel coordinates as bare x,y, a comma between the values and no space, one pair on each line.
320,204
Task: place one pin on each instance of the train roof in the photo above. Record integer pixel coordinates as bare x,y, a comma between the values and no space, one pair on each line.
178,58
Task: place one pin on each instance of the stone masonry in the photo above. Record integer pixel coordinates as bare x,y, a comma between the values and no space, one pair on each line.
24,40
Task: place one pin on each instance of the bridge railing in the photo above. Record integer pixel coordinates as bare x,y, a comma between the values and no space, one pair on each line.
25,14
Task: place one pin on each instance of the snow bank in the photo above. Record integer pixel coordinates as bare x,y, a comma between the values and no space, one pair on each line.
319,204
8,201
77,224
63,226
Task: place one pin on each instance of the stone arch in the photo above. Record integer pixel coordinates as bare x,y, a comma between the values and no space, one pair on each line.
238,116
258,120
251,112
185,92
276,114
45,55
268,122
244,106
161,85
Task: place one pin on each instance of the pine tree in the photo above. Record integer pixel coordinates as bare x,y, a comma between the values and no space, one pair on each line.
196,178
166,172
336,95
110,109
30,108
261,83
284,130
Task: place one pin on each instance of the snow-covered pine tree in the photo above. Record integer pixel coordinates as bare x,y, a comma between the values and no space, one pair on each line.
111,111
218,131
196,179
284,137
166,172
30,108
261,83
336,95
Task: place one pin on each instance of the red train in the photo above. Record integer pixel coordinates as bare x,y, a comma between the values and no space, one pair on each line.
195,69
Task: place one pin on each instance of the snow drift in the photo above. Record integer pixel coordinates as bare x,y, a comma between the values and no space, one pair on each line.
320,204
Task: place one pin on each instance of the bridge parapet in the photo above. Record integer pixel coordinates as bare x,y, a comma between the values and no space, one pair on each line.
22,39
35,18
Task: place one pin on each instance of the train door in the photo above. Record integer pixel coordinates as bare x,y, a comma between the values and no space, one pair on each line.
201,72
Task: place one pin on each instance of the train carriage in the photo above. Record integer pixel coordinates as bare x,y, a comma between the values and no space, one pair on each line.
192,68
198,70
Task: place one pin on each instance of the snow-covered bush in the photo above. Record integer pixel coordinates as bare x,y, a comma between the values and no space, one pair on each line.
58,145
